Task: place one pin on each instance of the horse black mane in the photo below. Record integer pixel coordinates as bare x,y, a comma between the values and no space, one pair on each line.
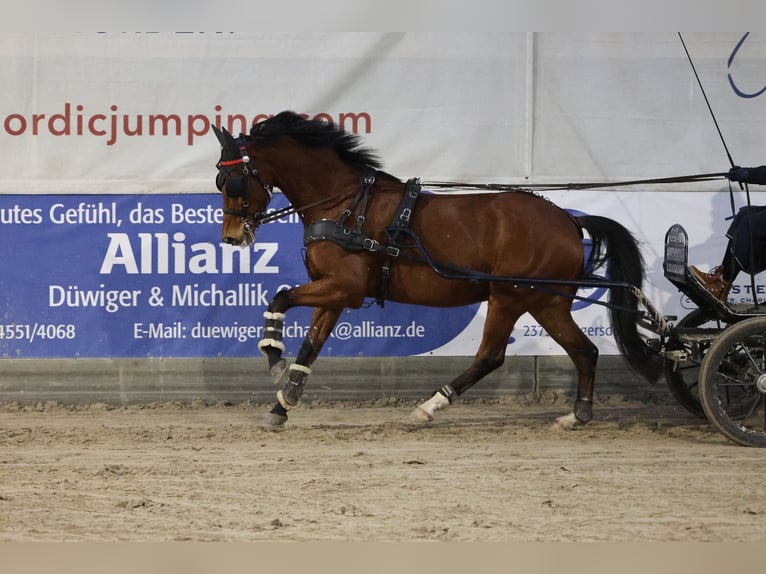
315,133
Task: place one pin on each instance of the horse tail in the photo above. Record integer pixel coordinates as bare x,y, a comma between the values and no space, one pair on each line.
615,246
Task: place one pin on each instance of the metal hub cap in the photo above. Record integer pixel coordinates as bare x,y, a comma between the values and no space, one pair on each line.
760,383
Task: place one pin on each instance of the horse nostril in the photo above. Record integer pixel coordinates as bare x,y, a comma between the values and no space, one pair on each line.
230,240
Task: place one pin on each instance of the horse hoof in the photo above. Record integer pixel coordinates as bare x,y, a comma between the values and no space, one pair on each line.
567,422
276,417
422,415
278,370
425,411
583,410
274,420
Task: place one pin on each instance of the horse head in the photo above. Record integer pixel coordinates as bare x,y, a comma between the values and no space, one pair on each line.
245,195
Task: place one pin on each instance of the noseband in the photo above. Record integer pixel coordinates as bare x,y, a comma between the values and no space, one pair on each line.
236,187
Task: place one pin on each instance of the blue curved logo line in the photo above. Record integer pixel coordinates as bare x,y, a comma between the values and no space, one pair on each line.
600,291
734,87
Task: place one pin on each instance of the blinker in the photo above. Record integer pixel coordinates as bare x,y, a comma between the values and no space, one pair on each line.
220,179
236,187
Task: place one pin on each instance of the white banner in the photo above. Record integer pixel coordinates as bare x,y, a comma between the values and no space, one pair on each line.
130,112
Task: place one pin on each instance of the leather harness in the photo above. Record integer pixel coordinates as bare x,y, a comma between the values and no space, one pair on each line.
354,239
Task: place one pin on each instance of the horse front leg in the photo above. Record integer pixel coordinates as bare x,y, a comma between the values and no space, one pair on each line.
322,323
271,345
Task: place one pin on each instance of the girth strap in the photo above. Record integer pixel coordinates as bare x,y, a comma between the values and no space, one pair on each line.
400,225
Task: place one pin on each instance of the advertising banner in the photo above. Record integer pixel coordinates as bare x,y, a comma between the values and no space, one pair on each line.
146,276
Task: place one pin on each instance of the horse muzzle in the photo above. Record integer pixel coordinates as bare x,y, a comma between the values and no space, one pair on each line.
238,228
245,237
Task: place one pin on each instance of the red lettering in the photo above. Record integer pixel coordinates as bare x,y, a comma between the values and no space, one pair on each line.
92,125
22,124
117,124
64,118
193,130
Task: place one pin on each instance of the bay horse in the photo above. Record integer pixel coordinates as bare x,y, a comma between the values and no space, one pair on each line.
370,235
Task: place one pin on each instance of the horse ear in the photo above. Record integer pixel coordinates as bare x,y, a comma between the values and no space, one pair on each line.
228,140
219,135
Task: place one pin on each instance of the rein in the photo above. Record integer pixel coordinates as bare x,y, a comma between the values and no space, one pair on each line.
573,186
290,209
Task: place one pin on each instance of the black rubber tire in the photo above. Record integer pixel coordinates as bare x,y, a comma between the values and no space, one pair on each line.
683,379
733,371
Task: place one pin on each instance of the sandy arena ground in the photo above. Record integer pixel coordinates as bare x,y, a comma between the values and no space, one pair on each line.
483,471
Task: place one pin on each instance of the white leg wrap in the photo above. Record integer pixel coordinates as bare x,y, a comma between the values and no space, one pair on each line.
277,316
426,410
263,343
271,330
301,368
283,402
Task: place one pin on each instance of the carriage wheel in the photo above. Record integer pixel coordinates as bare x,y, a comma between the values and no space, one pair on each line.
733,382
683,378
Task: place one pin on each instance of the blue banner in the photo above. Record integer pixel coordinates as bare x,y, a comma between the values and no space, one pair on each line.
146,276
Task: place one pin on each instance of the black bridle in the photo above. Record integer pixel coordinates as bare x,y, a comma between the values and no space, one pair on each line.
237,185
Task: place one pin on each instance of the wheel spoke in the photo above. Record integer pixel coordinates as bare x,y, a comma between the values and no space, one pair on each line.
756,365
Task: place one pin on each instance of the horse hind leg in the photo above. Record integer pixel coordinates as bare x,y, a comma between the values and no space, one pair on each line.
558,322
501,317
